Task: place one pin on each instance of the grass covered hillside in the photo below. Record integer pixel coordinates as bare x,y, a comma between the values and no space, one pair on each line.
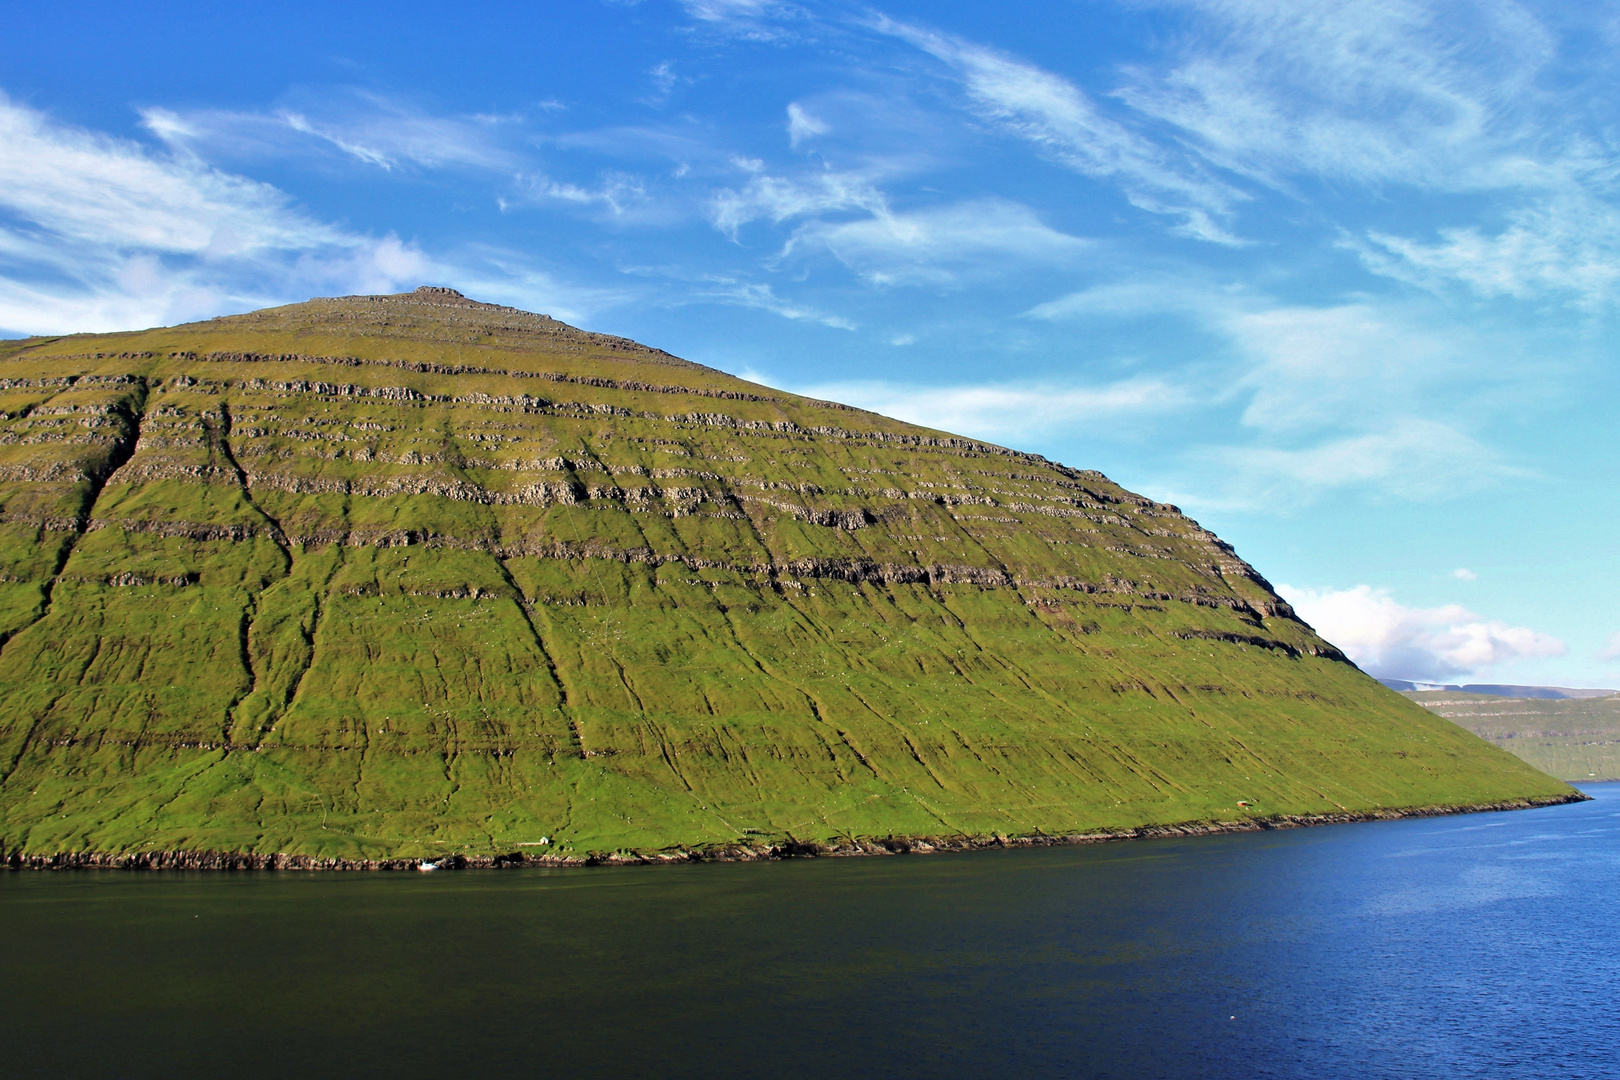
409,576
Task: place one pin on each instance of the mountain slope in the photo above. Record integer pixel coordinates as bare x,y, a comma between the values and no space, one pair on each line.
397,577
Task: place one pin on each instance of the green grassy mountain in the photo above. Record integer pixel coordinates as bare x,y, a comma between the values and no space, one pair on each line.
407,576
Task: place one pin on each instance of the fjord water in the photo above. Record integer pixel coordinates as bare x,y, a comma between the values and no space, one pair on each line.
1485,945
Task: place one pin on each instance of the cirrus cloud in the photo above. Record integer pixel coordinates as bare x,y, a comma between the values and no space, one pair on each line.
101,233
98,233
1060,119
939,245
1011,411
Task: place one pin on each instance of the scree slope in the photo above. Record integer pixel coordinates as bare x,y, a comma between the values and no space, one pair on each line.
413,577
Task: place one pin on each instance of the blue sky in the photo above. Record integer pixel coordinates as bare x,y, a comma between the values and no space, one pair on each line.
1340,280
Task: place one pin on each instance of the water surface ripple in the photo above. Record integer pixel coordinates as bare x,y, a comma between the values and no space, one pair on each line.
1478,946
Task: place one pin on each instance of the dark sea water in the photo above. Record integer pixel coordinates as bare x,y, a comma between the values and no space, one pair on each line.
1477,946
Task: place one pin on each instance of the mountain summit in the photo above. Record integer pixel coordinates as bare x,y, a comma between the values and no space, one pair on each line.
417,577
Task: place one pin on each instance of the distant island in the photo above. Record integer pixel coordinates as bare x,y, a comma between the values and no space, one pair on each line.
416,580
1569,733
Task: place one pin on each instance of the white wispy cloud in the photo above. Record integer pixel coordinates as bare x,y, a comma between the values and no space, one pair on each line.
617,192
1569,245
1366,394
1299,366
682,142
1064,122
103,234
100,233
1390,640
802,125
1416,96
1411,458
89,188
942,244
848,215
1134,295
1308,367
1611,649
1014,412
754,20
759,296
391,134
1368,91
1335,364
777,199
367,127
664,80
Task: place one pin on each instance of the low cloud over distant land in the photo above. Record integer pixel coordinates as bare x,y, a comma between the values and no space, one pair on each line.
1389,640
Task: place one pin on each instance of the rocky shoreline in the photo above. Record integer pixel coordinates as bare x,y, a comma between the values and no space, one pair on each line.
787,849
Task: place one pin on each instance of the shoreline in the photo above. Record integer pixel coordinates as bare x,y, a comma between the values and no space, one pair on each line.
788,849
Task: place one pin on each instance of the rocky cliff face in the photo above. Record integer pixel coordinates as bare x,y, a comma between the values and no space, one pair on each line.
401,576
